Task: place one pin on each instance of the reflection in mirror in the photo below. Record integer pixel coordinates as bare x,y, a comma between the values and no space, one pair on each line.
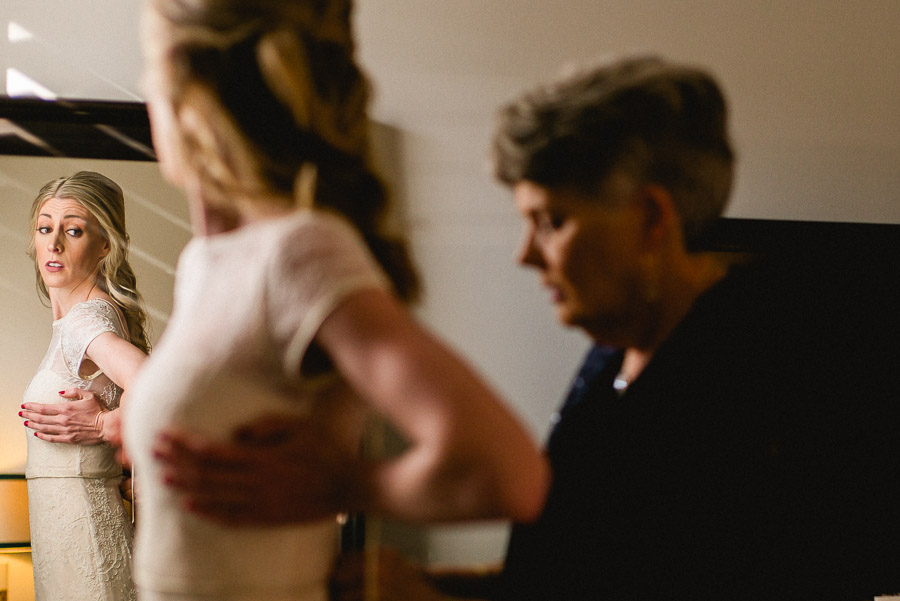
40,141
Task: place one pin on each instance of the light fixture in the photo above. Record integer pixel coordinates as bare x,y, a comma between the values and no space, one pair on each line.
15,534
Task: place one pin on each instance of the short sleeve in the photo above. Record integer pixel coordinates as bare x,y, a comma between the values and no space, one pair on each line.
83,323
322,261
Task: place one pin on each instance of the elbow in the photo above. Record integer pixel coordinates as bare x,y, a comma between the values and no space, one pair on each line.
529,493
514,492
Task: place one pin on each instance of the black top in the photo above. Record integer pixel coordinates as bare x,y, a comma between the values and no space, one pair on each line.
756,456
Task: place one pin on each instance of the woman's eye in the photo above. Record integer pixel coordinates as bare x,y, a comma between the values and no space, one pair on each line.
43,229
549,223
74,232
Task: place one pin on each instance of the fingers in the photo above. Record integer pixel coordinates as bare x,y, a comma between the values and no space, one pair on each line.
190,452
77,394
122,456
36,410
270,430
268,474
199,467
125,489
82,402
58,438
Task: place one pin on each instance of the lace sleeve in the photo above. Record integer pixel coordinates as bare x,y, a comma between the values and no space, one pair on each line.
318,265
83,323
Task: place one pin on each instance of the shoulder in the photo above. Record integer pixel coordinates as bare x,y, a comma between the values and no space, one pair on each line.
322,224
95,307
315,239
96,313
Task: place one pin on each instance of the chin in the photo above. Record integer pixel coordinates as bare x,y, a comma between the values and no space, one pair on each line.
567,318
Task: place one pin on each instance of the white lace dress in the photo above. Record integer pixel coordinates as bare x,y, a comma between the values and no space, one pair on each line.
81,534
248,304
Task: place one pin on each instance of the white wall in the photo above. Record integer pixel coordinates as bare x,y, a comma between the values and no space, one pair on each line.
815,101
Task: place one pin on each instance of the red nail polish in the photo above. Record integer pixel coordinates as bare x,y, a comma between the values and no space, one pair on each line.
20,414
26,423
62,392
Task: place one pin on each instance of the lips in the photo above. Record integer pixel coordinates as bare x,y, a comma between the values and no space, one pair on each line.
556,294
53,266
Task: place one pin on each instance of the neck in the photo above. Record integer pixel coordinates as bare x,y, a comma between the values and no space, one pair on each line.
62,300
685,283
260,209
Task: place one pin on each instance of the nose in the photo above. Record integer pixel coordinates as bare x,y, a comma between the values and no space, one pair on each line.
54,244
528,254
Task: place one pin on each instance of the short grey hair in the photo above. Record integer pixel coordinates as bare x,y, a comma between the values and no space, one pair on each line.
663,122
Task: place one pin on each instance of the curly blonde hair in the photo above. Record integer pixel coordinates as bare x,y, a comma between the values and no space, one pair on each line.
267,93
105,201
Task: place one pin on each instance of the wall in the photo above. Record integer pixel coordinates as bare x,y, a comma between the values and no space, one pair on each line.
814,93
18,566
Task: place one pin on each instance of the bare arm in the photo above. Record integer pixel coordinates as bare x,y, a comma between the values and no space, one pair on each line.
83,420
468,456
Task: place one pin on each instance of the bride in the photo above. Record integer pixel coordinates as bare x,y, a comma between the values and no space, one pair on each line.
80,531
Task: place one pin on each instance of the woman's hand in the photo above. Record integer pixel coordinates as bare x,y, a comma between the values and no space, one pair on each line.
277,470
82,420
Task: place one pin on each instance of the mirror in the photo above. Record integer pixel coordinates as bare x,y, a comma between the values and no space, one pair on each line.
40,141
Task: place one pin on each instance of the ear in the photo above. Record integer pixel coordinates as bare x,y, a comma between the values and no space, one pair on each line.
106,248
661,222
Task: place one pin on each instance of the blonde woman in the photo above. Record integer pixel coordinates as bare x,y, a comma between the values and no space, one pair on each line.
289,301
80,531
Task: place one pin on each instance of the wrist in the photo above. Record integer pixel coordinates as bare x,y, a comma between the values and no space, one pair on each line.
99,423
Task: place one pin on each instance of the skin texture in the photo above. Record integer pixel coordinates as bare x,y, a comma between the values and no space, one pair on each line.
68,246
588,253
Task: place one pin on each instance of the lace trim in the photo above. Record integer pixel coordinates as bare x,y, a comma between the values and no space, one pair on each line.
83,323
81,540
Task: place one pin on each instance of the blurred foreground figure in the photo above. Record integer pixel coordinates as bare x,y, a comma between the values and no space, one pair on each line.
288,315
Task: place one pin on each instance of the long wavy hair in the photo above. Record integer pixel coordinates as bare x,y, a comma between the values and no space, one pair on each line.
104,199
270,104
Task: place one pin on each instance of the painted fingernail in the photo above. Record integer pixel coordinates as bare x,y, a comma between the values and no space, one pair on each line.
20,415
26,423
62,392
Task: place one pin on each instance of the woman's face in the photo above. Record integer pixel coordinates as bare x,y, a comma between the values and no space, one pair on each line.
68,245
588,252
